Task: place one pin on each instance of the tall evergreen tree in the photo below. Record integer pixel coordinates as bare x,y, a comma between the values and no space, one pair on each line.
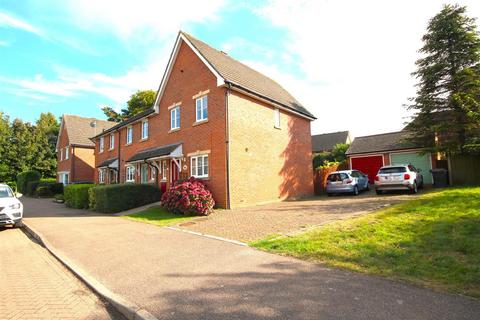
447,108
45,136
139,101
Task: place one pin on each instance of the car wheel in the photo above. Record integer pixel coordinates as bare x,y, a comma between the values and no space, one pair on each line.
355,191
329,194
378,191
18,224
414,188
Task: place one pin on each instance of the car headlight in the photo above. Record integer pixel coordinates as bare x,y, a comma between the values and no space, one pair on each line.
15,206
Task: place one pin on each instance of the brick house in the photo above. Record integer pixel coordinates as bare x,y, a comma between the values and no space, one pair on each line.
218,120
75,150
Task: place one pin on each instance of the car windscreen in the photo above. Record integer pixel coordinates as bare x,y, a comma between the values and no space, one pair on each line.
393,170
5,192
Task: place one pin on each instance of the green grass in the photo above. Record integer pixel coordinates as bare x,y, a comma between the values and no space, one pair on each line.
158,216
433,241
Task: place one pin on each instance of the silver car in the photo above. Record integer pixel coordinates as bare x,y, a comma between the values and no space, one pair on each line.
346,181
398,177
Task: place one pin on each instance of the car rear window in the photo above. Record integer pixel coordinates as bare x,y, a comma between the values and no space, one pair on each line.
337,177
393,170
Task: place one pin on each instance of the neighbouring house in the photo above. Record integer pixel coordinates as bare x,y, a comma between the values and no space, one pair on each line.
220,121
326,141
369,153
75,150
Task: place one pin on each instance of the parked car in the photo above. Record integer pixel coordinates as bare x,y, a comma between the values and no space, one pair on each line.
346,181
11,209
398,177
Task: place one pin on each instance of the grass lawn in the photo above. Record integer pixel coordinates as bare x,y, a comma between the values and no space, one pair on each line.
157,216
433,241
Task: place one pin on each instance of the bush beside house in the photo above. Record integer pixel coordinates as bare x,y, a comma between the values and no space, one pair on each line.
76,195
188,198
120,197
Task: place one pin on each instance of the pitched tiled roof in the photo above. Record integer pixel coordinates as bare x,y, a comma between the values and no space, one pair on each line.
238,74
127,122
381,142
154,152
326,141
80,129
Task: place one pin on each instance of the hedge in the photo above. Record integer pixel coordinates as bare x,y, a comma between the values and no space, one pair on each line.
48,189
120,197
12,185
76,195
24,177
31,187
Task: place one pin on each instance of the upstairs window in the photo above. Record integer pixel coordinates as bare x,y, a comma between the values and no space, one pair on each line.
102,144
199,166
276,119
112,141
67,152
61,154
201,108
129,134
144,129
175,118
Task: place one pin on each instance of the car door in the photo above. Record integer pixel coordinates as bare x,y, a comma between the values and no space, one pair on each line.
364,179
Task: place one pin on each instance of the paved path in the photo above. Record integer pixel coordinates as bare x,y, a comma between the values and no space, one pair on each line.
252,223
177,275
33,285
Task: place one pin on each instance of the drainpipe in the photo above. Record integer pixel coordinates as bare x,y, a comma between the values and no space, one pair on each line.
227,143
119,175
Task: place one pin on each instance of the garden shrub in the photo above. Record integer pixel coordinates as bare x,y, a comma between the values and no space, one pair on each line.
120,197
48,189
76,195
24,177
12,185
31,187
189,197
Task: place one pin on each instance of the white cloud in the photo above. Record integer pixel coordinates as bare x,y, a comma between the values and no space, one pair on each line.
142,19
9,21
355,58
4,43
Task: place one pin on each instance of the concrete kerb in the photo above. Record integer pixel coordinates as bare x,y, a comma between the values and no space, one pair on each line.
130,310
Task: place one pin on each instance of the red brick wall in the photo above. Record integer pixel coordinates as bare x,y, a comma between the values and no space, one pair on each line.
63,165
107,153
83,164
267,164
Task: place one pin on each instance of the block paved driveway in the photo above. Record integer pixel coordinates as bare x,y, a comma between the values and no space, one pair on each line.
252,223
34,285
178,275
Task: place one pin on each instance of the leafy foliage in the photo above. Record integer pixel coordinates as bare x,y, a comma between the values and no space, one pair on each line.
188,198
26,177
335,156
120,197
76,195
139,101
447,104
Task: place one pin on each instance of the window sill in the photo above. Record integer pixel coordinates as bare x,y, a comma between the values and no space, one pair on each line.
100,151
200,122
111,149
128,144
174,130
144,139
202,178
278,128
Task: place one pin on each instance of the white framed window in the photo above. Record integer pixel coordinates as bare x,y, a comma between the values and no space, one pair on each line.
199,166
144,173
102,144
175,118
276,118
61,154
129,134
153,173
67,150
112,141
144,129
201,108
130,174
101,176
164,170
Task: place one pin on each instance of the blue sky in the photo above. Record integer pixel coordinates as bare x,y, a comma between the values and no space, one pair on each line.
348,62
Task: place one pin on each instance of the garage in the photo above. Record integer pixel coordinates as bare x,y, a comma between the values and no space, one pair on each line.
419,161
368,165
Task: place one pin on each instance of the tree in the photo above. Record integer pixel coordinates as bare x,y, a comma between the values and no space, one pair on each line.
447,108
337,155
139,101
45,136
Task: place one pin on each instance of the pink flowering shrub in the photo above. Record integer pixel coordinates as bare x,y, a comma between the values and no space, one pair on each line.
188,197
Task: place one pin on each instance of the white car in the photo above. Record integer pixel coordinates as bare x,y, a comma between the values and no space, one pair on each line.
398,177
11,209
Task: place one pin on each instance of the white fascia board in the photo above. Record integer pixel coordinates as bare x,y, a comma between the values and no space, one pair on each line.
173,57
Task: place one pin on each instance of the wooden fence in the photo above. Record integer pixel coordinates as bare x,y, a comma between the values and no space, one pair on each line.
464,170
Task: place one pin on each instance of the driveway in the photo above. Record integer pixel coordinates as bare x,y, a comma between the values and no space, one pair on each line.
34,285
252,223
179,275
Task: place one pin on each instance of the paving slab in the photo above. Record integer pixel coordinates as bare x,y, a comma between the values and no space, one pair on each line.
178,275
33,285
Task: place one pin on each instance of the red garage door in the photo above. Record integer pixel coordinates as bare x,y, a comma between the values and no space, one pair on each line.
368,165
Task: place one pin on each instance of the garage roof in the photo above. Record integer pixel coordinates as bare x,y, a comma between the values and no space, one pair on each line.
381,142
326,141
